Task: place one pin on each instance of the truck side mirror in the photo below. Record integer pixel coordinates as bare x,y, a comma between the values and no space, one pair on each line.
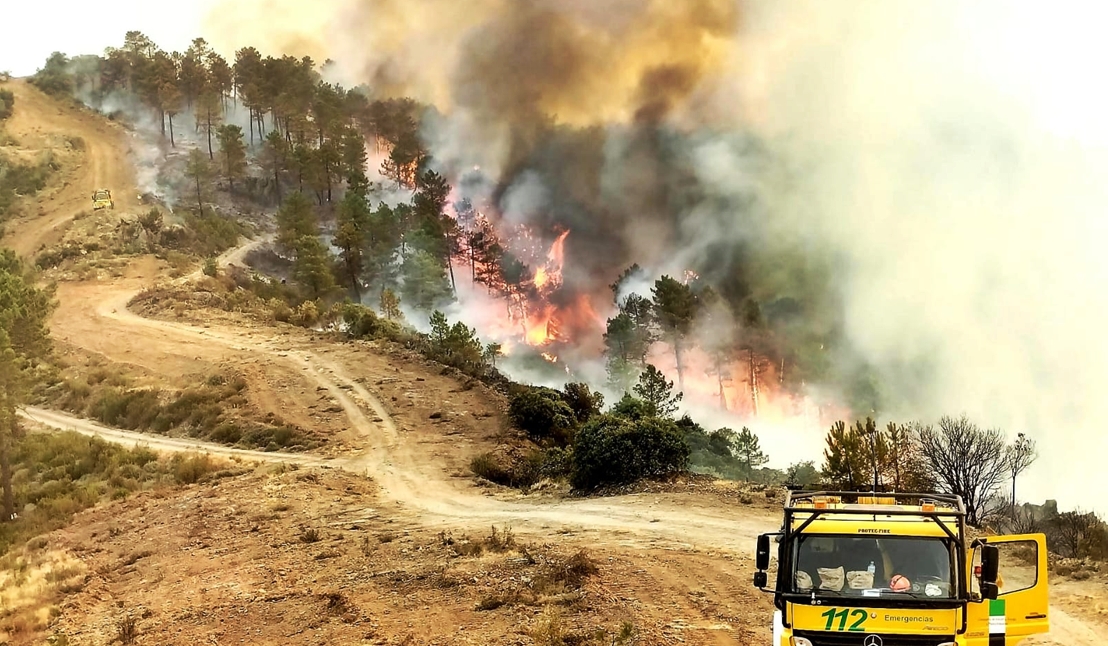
761,559
761,579
990,565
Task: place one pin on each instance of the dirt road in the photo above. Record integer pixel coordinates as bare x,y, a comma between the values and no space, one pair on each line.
106,165
94,316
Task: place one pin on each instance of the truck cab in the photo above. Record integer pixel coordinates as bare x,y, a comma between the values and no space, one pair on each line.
859,569
102,199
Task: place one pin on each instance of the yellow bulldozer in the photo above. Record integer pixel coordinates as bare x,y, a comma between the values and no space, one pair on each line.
102,199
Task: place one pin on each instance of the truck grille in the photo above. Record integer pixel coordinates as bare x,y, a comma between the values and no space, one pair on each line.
819,638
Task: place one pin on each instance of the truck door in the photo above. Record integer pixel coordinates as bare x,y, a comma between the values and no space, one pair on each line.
1022,605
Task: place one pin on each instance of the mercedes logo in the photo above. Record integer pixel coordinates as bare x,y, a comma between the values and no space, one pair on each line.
872,640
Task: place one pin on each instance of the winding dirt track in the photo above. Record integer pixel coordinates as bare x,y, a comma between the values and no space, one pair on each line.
95,317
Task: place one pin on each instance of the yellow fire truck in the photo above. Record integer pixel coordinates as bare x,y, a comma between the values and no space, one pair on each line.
102,199
858,569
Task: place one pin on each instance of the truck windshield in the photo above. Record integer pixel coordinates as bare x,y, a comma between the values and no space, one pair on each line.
903,567
101,195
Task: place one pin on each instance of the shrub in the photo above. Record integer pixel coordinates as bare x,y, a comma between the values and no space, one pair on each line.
7,104
361,322
211,268
504,470
189,469
282,313
542,414
614,450
585,402
306,315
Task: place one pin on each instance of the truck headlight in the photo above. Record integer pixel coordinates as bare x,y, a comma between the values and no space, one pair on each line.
800,641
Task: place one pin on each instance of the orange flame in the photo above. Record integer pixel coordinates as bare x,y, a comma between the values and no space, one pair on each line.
541,277
551,273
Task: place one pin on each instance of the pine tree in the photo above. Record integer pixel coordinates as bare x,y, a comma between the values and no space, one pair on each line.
350,238
200,172
294,221
675,307
657,391
312,267
747,449
233,150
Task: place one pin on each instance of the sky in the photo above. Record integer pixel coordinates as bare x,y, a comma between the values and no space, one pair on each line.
89,26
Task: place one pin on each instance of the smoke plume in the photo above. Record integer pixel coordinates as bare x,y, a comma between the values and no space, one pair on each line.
926,179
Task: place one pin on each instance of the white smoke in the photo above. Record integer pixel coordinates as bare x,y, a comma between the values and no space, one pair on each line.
953,159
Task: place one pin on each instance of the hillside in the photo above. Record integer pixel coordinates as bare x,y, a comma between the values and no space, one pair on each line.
382,535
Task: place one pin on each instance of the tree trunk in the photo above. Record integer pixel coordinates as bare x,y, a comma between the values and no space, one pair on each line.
171,141
453,285
277,180
719,377
199,200
163,122
6,469
251,120
680,371
211,154
354,283
753,383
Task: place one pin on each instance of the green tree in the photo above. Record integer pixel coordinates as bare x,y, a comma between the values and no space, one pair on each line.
275,157
24,341
294,221
209,115
585,402
675,307
312,267
54,77
424,281
200,172
492,353
382,238
163,90
748,451
844,461
657,391
354,160
439,231
233,149
801,474
455,345
350,238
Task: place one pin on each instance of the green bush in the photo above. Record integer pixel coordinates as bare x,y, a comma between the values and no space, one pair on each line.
509,472
7,104
615,450
542,414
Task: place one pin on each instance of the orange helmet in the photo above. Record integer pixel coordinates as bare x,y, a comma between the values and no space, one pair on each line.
900,583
